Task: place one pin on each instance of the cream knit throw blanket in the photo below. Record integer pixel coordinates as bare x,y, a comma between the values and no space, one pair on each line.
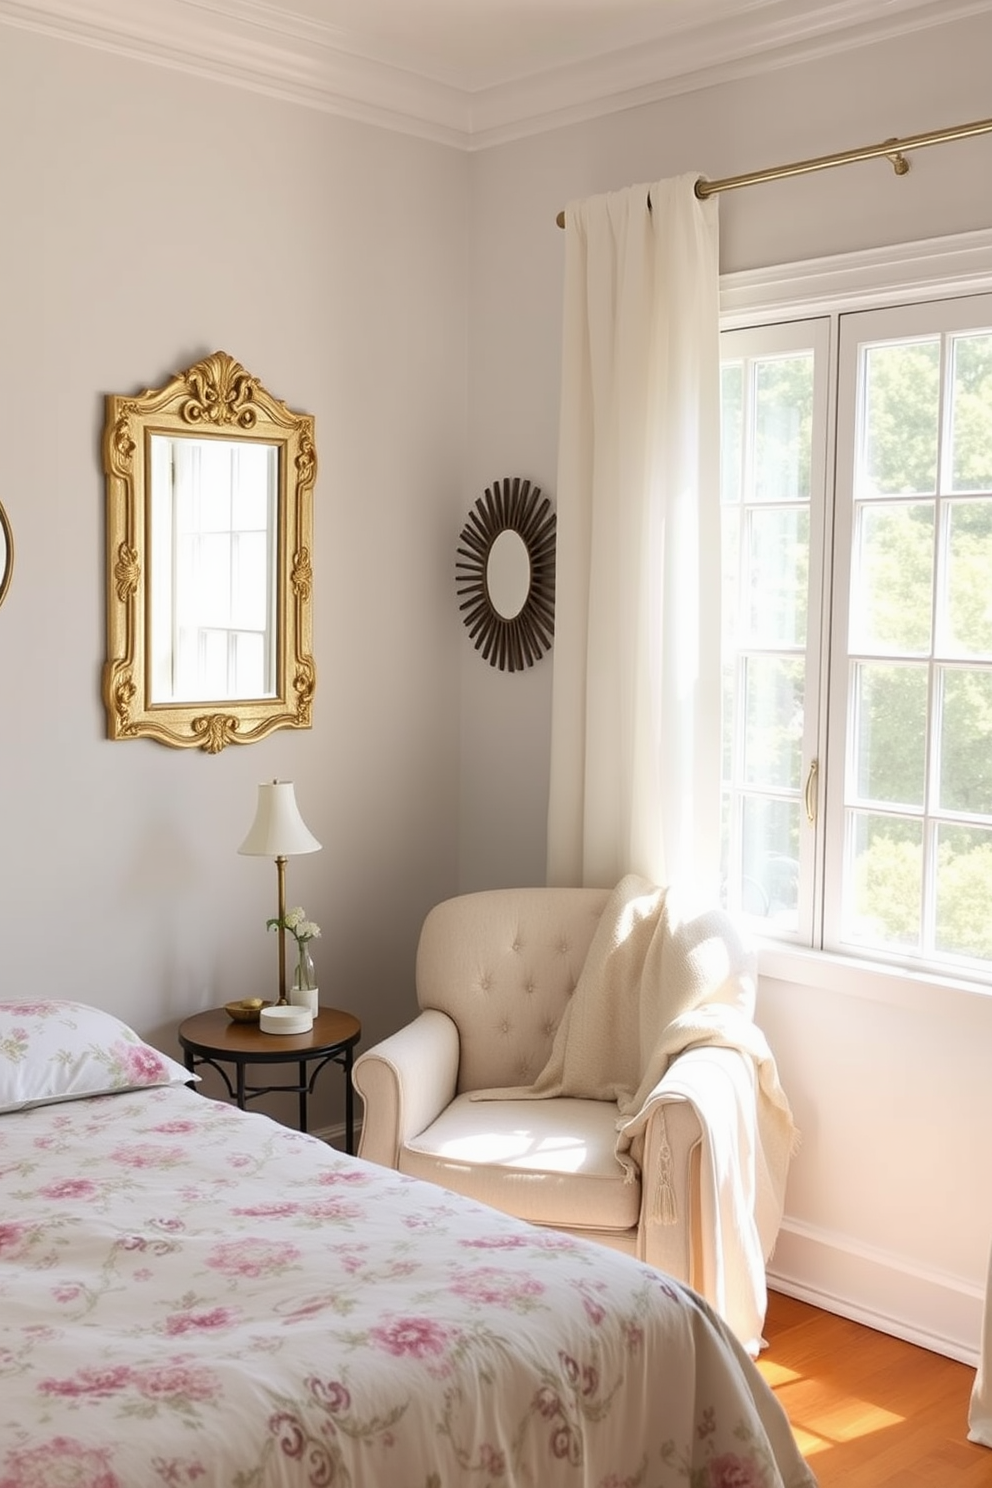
660,978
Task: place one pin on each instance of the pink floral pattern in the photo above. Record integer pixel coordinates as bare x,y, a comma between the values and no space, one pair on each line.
190,1295
61,1462
56,1051
415,1337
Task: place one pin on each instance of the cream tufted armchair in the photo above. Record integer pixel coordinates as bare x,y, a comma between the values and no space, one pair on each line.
494,972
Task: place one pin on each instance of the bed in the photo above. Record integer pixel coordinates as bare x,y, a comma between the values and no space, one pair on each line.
195,1295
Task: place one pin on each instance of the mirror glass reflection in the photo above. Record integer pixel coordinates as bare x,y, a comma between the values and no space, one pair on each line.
213,572
508,574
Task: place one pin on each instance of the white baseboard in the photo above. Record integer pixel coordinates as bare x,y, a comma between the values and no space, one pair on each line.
334,1135
882,1290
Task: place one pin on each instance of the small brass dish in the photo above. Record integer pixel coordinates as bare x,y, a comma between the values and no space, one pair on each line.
247,1010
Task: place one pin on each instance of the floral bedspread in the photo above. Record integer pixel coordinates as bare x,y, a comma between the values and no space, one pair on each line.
193,1295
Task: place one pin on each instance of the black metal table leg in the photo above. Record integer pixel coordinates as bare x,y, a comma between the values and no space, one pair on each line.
349,1104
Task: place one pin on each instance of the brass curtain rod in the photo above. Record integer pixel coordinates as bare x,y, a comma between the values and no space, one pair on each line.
892,149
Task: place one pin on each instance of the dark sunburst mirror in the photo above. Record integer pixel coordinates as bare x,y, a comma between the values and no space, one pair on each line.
505,574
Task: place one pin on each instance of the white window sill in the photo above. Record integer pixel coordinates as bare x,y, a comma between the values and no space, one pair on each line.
895,985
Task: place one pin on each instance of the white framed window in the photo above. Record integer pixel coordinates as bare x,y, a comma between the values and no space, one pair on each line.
857,594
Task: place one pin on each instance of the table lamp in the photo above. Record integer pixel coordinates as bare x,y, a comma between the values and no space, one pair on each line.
279,832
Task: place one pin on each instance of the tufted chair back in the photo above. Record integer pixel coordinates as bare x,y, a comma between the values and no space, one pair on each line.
502,963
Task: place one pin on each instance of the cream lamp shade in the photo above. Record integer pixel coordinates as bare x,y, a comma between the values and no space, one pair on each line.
279,832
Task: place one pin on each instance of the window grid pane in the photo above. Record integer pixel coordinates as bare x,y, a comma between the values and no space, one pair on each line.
777,562
890,737
964,893
773,735
971,422
892,588
884,881
900,401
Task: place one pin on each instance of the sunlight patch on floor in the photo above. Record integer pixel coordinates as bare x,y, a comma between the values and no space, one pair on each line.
856,1419
777,1374
810,1442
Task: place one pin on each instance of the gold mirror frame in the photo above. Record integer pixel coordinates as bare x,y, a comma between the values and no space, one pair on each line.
215,397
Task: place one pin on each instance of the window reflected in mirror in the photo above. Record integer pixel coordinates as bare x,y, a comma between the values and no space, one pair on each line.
213,575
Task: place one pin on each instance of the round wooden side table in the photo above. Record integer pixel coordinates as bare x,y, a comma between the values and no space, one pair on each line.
213,1038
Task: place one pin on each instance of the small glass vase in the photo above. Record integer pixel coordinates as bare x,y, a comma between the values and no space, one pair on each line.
303,992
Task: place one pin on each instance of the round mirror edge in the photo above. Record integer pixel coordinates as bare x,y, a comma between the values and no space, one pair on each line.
6,553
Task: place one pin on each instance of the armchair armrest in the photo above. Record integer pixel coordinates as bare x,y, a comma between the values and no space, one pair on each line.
412,1076
671,1221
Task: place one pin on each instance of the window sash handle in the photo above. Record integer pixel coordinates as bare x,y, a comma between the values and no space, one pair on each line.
809,791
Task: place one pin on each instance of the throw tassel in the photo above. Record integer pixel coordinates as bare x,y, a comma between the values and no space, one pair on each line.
664,1210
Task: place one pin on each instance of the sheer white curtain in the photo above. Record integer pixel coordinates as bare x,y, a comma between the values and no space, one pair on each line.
635,746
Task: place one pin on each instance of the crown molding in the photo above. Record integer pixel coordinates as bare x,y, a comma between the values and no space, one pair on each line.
249,44
898,273
758,40
240,44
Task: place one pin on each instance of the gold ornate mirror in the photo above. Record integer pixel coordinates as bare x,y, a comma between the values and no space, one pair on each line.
209,536
6,555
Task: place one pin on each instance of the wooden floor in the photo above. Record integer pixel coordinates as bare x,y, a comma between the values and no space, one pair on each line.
867,1410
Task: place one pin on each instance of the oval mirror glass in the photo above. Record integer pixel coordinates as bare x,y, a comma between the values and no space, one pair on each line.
508,574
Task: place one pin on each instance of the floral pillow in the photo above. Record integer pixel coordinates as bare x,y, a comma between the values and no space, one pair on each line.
57,1051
